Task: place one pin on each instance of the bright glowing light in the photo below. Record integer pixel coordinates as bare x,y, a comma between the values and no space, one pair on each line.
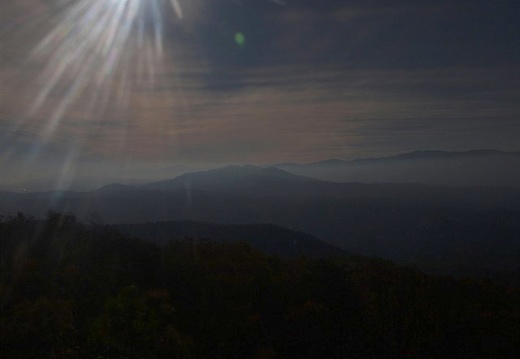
94,49
93,58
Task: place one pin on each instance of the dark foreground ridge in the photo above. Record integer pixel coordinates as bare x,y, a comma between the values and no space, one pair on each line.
268,238
70,290
466,231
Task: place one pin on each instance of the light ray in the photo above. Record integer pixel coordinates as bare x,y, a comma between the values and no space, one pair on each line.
177,8
89,49
90,60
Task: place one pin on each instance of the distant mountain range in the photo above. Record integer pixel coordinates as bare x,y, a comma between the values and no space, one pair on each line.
471,168
439,228
445,154
92,178
490,168
235,178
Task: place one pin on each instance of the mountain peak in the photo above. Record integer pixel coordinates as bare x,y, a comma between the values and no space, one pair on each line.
228,178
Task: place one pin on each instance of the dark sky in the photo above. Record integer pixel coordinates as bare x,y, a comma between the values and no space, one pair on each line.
159,82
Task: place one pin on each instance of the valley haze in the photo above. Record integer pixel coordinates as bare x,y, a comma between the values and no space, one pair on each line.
259,178
469,168
441,226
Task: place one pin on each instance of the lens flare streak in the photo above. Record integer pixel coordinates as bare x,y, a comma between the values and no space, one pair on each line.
91,57
91,48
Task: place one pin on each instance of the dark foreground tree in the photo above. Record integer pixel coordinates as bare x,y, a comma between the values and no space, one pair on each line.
70,290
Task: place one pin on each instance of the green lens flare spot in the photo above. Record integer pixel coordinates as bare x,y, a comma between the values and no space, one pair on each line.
240,39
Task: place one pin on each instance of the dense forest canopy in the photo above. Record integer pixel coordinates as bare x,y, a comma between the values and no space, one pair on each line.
74,290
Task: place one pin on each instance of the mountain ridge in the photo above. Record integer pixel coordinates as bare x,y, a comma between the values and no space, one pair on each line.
228,176
269,238
410,155
406,223
491,168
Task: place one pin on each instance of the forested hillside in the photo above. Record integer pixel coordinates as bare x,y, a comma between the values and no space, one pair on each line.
463,231
268,238
73,290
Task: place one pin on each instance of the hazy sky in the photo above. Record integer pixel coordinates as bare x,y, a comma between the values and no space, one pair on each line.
159,82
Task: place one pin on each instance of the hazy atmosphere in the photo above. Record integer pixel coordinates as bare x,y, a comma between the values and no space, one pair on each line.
126,87
259,179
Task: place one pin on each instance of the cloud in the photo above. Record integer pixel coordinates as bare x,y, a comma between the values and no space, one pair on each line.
316,79
297,113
